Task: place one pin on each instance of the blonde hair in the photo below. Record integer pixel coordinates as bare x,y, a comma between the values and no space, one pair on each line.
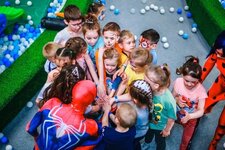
126,115
49,49
162,75
125,34
111,26
142,55
111,53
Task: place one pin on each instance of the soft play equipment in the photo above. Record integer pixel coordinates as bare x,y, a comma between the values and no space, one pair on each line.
52,23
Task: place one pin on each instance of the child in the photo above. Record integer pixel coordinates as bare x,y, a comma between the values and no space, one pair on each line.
79,47
111,60
190,96
49,51
97,10
63,57
73,20
110,34
63,125
138,61
149,39
164,112
92,35
126,43
122,137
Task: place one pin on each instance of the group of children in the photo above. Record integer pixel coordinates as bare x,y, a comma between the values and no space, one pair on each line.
133,99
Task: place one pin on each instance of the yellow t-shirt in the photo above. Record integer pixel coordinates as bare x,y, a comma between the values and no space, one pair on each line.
132,75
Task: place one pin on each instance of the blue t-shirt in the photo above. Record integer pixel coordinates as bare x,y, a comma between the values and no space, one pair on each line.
114,140
154,56
92,49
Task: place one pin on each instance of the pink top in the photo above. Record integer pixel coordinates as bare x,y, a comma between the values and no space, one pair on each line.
193,95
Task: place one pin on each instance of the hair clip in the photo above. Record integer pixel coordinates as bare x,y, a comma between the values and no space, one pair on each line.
89,21
141,84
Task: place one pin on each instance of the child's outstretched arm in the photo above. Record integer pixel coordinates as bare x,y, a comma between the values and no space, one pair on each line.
105,119
166,131
91,68
101,70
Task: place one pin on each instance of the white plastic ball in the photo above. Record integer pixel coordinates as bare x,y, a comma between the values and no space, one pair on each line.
181,32
142,11
135,37
29,17
8,147
194,30
172,9
162,11
31,40
7,56
164,39
22,49
181,19
143,1
152,6
14,37
31,22
24,30
29,3
11,59
166,45
51,4
224,145
20,53
5,38
186,7
11,47
1,134
25,43
156,8
132,10
30,104
147,8
112,7
4,47
3,67
22,40
50,15
17,2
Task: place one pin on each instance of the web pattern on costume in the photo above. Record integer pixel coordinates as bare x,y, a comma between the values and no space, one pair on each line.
63,130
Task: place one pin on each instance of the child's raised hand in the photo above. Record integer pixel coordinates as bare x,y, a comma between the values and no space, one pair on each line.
186,118
101,92
106,107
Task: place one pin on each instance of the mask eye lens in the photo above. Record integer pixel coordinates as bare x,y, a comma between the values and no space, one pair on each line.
144,44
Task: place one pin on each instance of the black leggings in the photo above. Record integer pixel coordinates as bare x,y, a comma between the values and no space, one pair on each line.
160,141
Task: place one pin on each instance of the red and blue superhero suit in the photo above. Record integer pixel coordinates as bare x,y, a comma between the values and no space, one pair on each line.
63,126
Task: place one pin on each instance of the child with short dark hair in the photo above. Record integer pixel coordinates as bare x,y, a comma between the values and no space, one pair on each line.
74,21
190,96
122,137
49,51
149,40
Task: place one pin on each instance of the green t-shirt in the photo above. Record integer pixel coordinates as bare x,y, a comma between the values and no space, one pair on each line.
164,108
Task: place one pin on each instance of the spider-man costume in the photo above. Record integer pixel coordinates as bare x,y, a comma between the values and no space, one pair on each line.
63,126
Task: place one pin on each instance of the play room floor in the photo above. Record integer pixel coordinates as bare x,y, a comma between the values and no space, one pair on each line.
167,25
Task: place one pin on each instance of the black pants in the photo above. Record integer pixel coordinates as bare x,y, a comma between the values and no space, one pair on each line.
160,141
137,144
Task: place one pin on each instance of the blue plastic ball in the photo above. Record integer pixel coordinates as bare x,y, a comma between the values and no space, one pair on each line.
6,52
37,30
189,14
31,29
223,4
27,26
1,63
60,1
116,11
49,10
185,36
4,140
179,11
7,3
194,25
15,56
10,37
